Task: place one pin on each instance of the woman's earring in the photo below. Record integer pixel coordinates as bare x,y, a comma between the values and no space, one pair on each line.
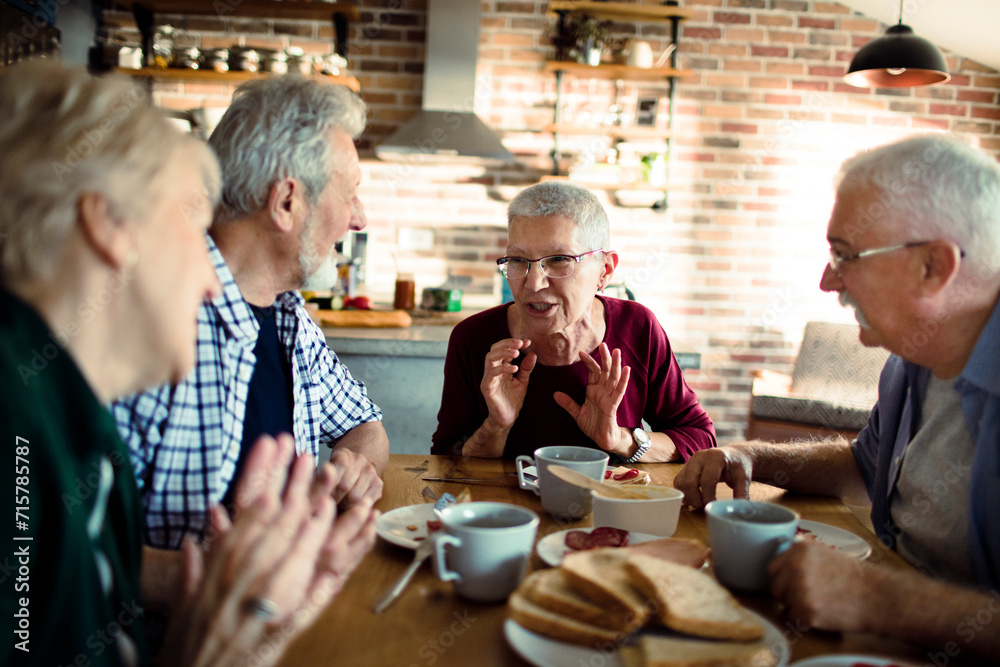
131,259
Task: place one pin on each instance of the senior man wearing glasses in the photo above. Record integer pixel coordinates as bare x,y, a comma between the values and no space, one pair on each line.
563,364
915,251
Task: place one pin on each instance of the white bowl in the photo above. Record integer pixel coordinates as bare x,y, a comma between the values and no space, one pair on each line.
655,515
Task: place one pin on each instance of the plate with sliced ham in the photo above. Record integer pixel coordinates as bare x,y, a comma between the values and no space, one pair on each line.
552,548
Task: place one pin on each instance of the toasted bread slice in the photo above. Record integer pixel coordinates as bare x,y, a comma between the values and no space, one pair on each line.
551,624
691,601
631,656
600,575
684,652
550,589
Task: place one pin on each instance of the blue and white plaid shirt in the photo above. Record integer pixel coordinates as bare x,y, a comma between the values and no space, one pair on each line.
185,439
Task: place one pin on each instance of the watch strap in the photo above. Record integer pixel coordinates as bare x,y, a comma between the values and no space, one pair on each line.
643,444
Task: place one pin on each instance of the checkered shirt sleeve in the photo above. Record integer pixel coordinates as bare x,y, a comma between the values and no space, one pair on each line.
185,439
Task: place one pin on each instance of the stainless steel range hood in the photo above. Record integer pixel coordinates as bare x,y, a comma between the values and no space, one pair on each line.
446,128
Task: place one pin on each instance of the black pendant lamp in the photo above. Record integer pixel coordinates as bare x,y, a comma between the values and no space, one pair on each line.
899,59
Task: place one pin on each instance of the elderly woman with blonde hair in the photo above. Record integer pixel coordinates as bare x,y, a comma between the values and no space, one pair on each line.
103,209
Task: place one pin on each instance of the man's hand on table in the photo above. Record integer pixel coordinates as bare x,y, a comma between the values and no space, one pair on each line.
824,588
706,468
356,480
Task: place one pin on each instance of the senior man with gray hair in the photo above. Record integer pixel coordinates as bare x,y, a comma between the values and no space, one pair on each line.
290,175
915,251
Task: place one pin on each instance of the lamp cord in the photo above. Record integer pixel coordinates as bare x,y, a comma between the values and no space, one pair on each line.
900,12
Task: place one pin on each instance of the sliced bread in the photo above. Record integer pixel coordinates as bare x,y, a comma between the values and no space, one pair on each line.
691,601
684,652
543,621
601,576
551,590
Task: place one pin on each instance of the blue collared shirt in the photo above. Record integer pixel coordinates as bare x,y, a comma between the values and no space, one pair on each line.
185,439
880,447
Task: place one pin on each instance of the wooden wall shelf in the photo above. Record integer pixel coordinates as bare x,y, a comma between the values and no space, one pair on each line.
179,74
268,9
625,11
621,133
584,70
635,186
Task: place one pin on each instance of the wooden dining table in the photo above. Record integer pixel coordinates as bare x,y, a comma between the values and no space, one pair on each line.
430,625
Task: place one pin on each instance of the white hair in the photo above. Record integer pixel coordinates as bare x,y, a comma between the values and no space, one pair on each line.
932,187
570,200
277,128
66,133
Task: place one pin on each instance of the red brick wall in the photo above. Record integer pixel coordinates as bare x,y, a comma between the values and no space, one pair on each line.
762,124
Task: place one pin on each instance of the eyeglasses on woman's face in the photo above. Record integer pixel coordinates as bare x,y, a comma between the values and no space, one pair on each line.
552,266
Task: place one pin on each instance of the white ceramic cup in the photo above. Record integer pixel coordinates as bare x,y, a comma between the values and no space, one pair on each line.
655,515
745,536
484,548
562,499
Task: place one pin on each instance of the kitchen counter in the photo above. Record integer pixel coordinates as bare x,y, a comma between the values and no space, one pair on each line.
404,372
413,341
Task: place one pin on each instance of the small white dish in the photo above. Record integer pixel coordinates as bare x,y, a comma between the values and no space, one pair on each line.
406,526
552,548
837,538
655,515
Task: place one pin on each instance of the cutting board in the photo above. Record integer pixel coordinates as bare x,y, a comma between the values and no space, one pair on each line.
379,319
432,317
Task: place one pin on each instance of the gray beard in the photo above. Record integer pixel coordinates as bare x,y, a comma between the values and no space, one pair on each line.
323,277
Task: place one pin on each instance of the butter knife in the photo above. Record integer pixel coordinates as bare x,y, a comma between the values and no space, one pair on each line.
424,549
476,479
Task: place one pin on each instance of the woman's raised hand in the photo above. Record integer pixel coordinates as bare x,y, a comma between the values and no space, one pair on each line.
504,384
606,385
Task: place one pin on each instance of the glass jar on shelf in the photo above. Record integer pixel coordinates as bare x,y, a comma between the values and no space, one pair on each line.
188,58
216,60
277,62
163,47
244,60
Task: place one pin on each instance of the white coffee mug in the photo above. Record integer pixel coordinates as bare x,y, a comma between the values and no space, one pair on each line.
484,548
745,536
559,498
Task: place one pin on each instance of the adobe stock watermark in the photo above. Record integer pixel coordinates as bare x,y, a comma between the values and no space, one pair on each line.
86,312
94,136
434,649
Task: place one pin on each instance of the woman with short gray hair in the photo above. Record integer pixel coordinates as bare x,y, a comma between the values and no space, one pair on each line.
598,366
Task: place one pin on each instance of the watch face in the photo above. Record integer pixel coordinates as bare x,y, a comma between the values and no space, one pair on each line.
640,436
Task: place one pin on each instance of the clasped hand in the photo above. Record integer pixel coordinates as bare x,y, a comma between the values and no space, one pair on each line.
283,545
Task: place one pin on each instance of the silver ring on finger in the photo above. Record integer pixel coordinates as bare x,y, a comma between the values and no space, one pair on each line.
262,608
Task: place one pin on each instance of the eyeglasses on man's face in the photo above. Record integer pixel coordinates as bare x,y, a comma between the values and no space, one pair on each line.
553,266
837,258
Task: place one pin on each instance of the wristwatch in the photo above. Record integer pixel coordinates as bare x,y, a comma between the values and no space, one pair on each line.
640,438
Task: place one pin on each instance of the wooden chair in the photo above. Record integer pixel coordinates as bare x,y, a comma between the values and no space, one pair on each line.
831,391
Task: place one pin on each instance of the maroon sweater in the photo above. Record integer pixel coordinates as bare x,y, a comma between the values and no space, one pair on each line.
656,391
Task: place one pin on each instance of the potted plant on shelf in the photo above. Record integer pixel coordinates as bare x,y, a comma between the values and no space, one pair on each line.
590,36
